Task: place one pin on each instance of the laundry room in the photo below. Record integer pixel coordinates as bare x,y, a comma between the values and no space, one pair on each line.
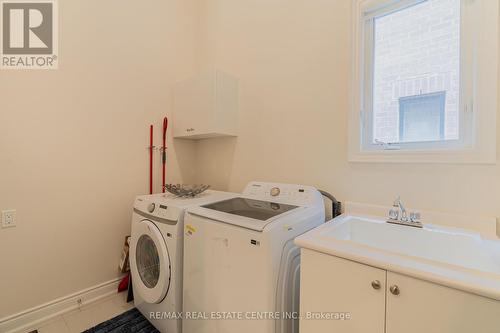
271,166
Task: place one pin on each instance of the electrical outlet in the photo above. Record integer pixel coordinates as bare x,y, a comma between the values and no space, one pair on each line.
8,218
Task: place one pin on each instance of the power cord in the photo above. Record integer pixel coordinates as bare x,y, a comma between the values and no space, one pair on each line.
336,205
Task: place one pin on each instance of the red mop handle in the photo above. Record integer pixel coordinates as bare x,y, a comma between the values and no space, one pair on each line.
164,151
151,159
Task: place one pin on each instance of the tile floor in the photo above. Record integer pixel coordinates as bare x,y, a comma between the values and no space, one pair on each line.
86,317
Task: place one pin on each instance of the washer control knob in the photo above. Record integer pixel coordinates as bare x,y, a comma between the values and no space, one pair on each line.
275,191
151,207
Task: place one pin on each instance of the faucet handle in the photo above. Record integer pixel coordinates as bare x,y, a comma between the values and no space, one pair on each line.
415,217
394,214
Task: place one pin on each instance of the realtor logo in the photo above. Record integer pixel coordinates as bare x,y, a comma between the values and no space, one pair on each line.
29,34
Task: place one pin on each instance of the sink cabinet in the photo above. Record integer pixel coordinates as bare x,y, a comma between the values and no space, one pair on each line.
423,306
381,301
331,285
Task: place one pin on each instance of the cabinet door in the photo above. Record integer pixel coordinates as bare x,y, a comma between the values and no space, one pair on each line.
422,306
194,106
332,285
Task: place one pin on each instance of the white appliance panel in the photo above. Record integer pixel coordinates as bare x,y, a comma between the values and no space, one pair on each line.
223,258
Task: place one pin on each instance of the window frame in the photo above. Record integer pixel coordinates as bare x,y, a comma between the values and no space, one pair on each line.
478,82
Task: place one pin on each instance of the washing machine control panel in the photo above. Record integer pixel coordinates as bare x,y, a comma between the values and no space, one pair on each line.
146,206
298,194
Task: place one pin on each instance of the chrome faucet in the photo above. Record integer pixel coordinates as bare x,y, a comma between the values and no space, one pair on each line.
398,215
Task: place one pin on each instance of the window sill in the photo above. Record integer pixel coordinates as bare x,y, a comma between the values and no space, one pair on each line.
426,157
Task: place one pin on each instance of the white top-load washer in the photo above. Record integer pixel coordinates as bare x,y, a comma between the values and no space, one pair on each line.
156,255
241,267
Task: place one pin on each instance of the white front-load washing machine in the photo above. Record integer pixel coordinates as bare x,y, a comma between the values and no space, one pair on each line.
156,249
241,266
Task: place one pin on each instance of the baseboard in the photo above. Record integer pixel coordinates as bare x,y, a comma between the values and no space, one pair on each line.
31,317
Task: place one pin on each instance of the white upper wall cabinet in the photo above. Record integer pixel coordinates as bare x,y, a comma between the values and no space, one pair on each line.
206,106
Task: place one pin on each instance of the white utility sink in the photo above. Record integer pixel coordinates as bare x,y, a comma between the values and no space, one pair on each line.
446,246
449,256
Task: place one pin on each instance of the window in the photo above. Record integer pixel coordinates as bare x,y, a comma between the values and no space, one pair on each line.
418,67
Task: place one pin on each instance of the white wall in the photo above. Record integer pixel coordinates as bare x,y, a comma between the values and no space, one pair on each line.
294,61
73,143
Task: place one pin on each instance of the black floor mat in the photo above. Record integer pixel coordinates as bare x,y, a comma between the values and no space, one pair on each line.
131,321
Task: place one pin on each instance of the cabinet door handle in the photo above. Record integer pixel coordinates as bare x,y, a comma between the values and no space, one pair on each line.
395,290
376,285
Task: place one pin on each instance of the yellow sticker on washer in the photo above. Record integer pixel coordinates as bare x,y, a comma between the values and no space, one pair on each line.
190,228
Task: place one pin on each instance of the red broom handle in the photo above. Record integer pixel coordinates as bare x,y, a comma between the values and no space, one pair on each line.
164,152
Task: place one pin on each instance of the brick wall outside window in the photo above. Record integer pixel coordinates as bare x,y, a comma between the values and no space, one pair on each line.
416,52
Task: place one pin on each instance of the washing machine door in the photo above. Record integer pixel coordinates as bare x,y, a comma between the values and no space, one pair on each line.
150,262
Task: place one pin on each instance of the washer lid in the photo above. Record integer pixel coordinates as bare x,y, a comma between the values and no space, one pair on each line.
251,208
150,263
281,212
